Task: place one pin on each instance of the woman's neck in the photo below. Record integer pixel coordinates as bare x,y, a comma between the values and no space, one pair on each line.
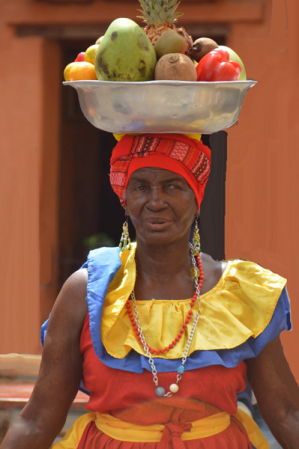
162,261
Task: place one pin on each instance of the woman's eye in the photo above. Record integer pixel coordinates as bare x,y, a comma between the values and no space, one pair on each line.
139,187
172,186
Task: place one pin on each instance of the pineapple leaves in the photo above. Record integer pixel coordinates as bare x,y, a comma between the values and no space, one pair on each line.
161,13
171,4
155,16
172,16
146,17
144,6
157,8
158,11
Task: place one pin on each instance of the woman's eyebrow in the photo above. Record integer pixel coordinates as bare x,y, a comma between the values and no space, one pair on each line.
174,179
143,179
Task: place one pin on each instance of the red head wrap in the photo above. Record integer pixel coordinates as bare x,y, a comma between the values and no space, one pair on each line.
178,153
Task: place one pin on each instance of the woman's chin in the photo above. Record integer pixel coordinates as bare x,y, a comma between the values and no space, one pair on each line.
161,237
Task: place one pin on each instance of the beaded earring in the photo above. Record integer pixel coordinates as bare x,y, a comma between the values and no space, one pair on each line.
196,239
125,241
195,249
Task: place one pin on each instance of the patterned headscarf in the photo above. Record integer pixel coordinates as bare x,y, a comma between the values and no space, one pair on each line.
178,153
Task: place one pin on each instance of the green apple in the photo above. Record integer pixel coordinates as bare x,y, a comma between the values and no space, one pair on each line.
234,57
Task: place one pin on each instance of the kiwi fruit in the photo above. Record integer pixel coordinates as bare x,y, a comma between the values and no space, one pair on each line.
170,42
202,47
175,66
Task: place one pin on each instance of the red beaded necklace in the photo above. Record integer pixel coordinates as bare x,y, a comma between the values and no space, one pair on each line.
194,273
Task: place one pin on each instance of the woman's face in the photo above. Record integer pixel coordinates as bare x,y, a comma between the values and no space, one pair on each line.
161,205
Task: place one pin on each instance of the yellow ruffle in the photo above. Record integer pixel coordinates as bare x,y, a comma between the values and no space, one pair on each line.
119,136
240,306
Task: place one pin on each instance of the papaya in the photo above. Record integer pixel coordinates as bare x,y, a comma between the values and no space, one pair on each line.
125,53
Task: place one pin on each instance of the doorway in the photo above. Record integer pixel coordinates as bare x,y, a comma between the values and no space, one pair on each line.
90,213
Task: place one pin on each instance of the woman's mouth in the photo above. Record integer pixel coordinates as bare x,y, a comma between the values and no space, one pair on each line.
157,224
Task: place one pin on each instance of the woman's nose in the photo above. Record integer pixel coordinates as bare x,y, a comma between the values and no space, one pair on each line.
156,200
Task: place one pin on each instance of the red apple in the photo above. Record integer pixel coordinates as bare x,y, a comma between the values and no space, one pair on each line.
80,57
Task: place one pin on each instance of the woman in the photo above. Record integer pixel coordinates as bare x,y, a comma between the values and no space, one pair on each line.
162,369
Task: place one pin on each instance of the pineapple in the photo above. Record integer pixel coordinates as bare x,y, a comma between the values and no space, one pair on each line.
160,16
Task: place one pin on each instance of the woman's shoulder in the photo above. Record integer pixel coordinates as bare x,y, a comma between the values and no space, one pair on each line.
240,275
250,272
70,308
242,267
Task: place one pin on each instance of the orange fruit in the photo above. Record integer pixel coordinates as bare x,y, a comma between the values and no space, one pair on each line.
82,71
90,53
67,70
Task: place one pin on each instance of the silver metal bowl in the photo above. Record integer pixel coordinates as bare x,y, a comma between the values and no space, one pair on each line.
161,106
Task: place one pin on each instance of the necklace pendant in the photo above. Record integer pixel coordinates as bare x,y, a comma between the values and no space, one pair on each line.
160,392
174,388
194,272
181,369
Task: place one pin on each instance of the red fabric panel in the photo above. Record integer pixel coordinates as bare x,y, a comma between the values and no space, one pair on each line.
115,391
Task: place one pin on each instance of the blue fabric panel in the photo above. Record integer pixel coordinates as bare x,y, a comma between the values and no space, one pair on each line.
43,331
103,265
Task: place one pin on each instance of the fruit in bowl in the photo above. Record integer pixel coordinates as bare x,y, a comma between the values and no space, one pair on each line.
125,53
170,42
80,57
162,16
175,66
79,71
216,66
234,57
202,47
90,53
128,52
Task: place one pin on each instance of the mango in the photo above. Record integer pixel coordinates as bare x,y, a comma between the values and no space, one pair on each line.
125,53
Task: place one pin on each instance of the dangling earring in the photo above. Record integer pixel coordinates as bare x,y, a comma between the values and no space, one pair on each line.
196,239
125,241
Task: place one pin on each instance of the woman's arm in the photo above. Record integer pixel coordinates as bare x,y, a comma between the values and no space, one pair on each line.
277,393
60,372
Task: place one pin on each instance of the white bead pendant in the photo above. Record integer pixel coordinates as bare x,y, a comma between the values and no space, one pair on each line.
174,388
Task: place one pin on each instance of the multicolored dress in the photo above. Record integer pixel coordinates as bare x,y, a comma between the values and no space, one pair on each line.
247,308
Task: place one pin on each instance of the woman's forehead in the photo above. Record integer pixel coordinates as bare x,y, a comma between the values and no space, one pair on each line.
155,173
